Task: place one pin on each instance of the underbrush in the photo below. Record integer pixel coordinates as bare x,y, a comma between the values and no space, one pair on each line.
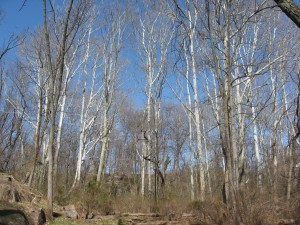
66,221
270,212
251,209
90,198
210,212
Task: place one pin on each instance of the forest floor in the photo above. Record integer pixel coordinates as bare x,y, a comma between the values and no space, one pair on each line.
103,221
68,221
120,220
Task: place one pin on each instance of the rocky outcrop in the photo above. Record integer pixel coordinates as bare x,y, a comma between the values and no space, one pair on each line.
21,214
37,214
13,191
13,217
18,204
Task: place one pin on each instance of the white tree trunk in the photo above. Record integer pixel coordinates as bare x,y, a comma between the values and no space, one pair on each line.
196,105
58,137
149,150
81,141
104,146
206,159
190,116
256,148
143,168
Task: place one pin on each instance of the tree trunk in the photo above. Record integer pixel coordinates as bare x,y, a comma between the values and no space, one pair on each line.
50,159
148,133
156,146
256,148
230,143
290,168
104,146
196,107
206,159
52,114
55,77
143,168
37,138
58,138
291,9
190,116
83,118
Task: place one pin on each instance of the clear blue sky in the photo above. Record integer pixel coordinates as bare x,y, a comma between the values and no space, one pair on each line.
17,20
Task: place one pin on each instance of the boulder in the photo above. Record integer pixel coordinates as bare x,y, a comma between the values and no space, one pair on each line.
71,212
18,204
21,213
36,214
13,217
7,189
89,216
14,191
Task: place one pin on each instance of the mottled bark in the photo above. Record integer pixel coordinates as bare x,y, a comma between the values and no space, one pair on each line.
290,9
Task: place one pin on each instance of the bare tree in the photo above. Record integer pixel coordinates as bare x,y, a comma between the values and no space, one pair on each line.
91,102
110,51
74,16
154,34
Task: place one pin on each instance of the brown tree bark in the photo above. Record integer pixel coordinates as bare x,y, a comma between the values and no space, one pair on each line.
290,9
55,83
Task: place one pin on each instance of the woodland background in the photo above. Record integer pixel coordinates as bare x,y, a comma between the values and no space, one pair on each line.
152,105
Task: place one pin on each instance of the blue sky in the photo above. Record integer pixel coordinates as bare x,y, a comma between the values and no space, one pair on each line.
21,20
16,20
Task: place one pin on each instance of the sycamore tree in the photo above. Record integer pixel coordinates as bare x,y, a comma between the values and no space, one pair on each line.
154,35
110,44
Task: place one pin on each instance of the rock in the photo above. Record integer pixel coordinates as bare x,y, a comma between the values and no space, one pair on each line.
21,212
14,191
71,212
142,214
287,222
37,214
19,203
13,217
89,216
39,217
154,223
187,215
7,190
